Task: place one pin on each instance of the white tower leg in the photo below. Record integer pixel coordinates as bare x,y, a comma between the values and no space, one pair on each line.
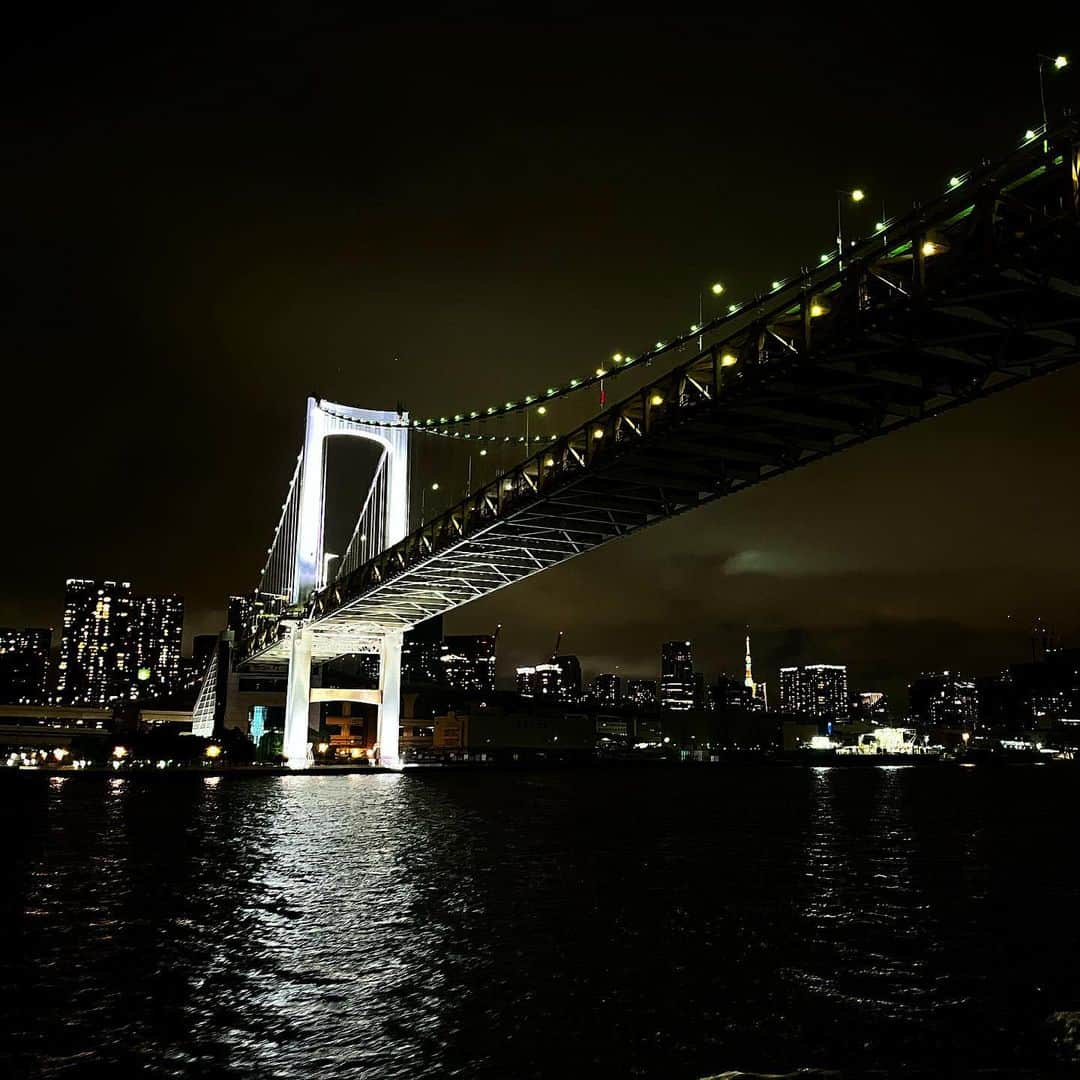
390,707
296,748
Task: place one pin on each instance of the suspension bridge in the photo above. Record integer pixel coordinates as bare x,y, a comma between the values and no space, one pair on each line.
970,293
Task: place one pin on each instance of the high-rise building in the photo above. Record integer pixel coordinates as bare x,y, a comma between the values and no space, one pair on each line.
569,682
818,690
641,693
526,681
421,653
606,690
943,699
24,665
468,662
246,611
202,649
676,675
558,679
156,636
95,665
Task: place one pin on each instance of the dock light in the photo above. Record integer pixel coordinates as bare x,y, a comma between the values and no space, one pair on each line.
617,358
858,195
717,288
1029,135
542,410
733,307
598,433
695,328
659,344
824,257
435,486
955,181
1061,62
879,226
728,360
213,751
483,453
776,285
601,372
656,399
575,382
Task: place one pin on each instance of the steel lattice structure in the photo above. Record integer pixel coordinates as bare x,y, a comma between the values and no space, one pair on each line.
974,292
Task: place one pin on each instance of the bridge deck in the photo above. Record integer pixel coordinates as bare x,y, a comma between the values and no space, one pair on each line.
975,292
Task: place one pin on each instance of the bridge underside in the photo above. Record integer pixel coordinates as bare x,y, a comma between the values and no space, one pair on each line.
962,300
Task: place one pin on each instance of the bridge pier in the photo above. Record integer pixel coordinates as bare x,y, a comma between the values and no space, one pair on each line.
295,746
390,703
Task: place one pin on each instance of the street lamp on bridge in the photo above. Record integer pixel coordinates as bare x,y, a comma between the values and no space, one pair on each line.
856,196
1058,63
717,289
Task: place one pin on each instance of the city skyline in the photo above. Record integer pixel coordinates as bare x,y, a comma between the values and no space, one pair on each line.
152,628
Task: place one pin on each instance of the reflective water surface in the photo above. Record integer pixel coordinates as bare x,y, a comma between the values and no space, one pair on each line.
634,922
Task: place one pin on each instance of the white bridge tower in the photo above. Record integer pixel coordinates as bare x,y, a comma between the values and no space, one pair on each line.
386,513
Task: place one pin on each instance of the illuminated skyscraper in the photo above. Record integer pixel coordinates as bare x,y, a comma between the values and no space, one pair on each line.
943,699
676,676
641,693
606,690
815,690
95,666
156,635
24,665
468,662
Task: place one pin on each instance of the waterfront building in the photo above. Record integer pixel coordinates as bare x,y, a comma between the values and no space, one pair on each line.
818,690
676,676
95,666
156,636
24,665
640,693
606,690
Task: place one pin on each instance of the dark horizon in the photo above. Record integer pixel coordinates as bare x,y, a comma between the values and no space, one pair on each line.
209,223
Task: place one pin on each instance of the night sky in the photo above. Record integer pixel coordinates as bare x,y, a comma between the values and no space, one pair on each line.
207,220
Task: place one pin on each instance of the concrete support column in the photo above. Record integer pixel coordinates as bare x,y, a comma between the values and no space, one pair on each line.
390,707
296,748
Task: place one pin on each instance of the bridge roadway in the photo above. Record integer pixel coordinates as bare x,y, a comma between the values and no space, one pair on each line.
974,292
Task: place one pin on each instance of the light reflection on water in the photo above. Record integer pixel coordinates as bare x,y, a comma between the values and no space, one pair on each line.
668,923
